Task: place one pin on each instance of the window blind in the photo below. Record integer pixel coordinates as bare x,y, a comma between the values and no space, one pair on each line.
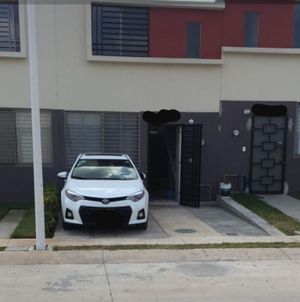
24,137
103,132
120,30
7,137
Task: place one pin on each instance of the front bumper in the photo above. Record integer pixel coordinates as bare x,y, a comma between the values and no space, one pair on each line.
87,212
92,215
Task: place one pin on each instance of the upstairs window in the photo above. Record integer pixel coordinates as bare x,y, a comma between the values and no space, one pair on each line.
193,40
251,29
9,26
297,26
120,31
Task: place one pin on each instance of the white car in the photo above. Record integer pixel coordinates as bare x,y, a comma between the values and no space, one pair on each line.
101,187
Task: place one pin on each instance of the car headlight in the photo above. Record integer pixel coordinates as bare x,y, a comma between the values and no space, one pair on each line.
136,196
73,196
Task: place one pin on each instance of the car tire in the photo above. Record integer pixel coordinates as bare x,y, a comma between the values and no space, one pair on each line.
142,226
67,226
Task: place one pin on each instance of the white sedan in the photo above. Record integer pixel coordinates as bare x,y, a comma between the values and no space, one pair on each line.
101,187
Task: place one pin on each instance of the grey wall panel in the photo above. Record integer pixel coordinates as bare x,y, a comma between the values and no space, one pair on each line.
231,158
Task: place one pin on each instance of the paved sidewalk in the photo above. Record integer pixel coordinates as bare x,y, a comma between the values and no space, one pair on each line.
285,203
9,223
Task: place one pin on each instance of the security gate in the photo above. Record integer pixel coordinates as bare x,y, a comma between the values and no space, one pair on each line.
190,165
268,154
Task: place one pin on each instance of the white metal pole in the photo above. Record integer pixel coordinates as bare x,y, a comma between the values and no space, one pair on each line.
36,129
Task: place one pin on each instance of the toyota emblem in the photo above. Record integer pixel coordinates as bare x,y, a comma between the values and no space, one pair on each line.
105,201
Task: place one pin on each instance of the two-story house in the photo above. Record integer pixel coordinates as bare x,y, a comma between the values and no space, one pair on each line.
230,68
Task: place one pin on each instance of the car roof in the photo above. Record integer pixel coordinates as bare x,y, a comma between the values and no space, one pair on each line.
104,156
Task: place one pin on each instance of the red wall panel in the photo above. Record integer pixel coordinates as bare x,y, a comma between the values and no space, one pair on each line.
275,22
168,32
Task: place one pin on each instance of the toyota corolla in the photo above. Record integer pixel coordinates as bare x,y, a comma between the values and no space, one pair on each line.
104,186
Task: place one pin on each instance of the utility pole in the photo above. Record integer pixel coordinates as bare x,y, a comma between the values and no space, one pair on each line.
36,128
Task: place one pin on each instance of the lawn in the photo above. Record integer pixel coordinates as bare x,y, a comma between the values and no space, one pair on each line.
279,220
26,227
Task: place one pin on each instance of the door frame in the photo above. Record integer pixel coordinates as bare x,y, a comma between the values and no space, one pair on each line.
178,125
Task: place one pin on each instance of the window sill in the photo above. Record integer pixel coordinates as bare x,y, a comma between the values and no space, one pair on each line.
261,50
12,54
152,60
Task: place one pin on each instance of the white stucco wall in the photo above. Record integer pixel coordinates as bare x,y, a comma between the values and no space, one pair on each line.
68,80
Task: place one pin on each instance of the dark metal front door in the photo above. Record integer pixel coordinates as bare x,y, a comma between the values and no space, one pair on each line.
190,165
268,154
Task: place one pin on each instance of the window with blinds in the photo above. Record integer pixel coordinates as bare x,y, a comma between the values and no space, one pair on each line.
8,150
297,132
24,137
9,26
16,137
103,132
120,30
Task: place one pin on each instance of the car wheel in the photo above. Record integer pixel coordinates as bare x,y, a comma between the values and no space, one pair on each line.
67,226
142,226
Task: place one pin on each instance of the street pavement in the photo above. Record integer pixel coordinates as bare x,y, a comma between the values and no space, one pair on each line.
151,275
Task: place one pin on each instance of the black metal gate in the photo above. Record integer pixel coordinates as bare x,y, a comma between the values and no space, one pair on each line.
190,165
268,155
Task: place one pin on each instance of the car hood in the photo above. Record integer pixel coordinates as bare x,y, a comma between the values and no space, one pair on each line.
105,188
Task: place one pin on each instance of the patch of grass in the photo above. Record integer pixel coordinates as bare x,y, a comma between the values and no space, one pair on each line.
180,246
26,227
279,220
2,248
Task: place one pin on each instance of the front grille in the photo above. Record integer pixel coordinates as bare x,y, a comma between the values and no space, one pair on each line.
91,215
98,199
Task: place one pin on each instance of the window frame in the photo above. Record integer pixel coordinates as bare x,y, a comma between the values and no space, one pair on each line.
296,38
90,33
102,137
191,25
22,24
258,26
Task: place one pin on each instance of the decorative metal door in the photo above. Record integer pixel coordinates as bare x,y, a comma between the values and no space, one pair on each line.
190,165
268,154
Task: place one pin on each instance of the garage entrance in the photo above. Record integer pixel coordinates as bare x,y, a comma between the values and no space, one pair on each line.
174,163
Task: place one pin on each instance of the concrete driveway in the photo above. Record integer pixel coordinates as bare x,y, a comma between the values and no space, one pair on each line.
176,222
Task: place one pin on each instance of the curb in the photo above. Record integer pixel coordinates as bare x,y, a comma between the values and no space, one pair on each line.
229,204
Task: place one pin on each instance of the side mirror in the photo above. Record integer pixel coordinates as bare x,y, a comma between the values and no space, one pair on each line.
143,175
62,175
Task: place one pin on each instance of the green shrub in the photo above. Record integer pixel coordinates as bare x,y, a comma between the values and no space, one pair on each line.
51,209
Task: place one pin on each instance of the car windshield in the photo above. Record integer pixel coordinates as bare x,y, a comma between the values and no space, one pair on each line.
104,169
